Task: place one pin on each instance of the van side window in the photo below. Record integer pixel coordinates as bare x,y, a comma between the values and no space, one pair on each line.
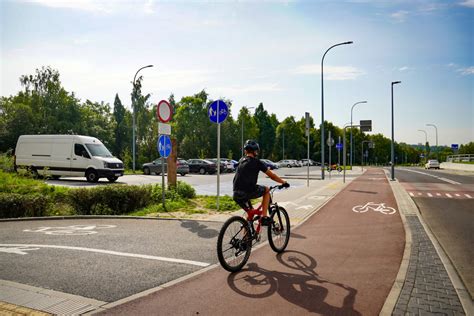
80,150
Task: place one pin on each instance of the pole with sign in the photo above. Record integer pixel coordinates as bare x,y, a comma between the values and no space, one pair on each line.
330,143
339,147
164,148
218,112
164,113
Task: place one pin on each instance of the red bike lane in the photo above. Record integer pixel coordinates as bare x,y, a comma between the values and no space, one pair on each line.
339,262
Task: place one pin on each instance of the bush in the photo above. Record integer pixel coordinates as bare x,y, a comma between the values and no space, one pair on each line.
14,205
110,200
185,190
6,162
226,203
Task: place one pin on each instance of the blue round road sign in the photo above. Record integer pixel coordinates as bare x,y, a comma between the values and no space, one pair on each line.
164,146
339,146
218,111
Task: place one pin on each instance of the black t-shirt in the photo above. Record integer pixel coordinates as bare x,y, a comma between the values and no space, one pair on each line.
246,176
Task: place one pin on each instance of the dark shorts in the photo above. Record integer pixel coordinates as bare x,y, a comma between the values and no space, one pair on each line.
241,197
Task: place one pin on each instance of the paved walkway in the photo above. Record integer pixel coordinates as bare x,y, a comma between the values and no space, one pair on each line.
338,262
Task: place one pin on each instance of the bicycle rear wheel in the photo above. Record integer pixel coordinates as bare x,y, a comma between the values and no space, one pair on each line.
279,231
234,244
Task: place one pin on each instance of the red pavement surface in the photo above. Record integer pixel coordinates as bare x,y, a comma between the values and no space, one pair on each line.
337,263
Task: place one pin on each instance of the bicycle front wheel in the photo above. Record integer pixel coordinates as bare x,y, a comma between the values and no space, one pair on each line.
279,231
234,244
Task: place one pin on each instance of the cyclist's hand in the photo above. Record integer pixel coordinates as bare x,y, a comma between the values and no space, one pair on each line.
285,185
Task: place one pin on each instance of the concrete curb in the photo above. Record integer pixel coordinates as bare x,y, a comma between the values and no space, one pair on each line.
101,217
406,206
196,273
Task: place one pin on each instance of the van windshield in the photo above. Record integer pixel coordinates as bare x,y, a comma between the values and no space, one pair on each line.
98,150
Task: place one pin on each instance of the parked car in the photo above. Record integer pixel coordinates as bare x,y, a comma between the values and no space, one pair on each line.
214,160
287,163
155,167
202,166
235,163
270,164
298,163
229,165
304,162
67,155
432,163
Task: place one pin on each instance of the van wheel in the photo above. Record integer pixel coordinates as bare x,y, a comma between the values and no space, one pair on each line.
92,176
146,170
34,173
112,179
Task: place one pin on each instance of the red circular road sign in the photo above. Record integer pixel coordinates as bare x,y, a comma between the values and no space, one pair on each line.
164,111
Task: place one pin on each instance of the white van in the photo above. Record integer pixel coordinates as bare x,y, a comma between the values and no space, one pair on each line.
67,155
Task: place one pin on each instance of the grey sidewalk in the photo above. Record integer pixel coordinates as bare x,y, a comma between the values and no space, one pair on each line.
427,283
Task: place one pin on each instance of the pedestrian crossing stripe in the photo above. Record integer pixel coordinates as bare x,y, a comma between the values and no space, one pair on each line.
449,195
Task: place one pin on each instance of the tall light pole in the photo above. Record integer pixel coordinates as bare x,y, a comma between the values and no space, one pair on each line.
392,156
134,96
248,108
436,129
352,108
283,154
322,105
426,140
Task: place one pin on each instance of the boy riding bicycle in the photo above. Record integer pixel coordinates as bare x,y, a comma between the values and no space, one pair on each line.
246,176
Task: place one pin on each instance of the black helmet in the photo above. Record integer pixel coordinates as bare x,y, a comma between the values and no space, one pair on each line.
251,145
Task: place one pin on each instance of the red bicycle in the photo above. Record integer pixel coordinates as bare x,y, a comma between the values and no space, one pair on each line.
238,234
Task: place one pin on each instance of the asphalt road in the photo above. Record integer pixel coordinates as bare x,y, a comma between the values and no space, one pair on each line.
446,202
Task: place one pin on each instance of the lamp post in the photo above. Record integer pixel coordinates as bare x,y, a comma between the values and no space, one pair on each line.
362,155
426,141
283,153
352,108
392,148
436,129
134,96
248,108
322,105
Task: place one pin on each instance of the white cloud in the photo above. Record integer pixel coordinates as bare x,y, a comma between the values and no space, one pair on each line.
467,3
467,71
330,72
98,6
404,68
400,16
241,89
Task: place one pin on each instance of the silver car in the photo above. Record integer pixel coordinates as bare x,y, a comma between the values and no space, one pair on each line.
182,167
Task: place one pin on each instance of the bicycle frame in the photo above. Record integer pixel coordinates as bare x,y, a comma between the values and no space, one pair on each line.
256,213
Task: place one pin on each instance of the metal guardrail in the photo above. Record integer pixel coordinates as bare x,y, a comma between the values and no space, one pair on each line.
460,158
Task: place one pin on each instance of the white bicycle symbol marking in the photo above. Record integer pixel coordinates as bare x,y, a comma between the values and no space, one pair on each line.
378,207
74,230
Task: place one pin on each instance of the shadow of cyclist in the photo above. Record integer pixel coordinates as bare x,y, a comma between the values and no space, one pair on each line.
305,288
201,230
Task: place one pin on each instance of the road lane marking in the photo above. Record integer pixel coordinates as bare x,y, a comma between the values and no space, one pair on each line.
114,253
431,175
378,207
449,195
411,193
429,194
438,194
74,230
419,193
458,194
470,197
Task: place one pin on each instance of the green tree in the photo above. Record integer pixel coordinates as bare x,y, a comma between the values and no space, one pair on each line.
120,128
266,131
467,149
251,131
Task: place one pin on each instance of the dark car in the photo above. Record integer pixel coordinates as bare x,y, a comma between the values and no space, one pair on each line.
214,160
182,167
201,166
270,164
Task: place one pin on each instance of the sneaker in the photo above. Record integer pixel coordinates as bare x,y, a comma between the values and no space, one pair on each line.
266,221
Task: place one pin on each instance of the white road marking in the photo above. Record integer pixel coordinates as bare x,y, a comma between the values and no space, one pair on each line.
304,207
458,194
470,197
438,194
419,193
449,195
431,175
429,194
411,193
114,253
17,250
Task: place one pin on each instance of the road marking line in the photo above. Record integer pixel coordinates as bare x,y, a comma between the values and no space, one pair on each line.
411,193
419,193
449,195
430,175
470,197
438,194
114,253
458,194
429,194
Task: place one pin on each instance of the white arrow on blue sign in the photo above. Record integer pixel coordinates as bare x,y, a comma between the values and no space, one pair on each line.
218,111
164,146
339,146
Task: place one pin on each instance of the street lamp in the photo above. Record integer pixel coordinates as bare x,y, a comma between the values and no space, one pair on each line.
426,140
352,108
392,156
322,105
134,96
436,129
248,108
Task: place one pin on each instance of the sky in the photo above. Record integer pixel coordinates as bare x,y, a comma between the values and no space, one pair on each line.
260,51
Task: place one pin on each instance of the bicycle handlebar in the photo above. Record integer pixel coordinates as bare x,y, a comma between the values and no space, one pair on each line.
279,187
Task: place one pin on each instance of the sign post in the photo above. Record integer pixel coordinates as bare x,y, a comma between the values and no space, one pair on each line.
164,148
218,112
330,143
307,134
339,147
164,113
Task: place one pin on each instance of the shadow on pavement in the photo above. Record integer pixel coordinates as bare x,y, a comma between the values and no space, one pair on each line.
200,229
295,235
304,288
